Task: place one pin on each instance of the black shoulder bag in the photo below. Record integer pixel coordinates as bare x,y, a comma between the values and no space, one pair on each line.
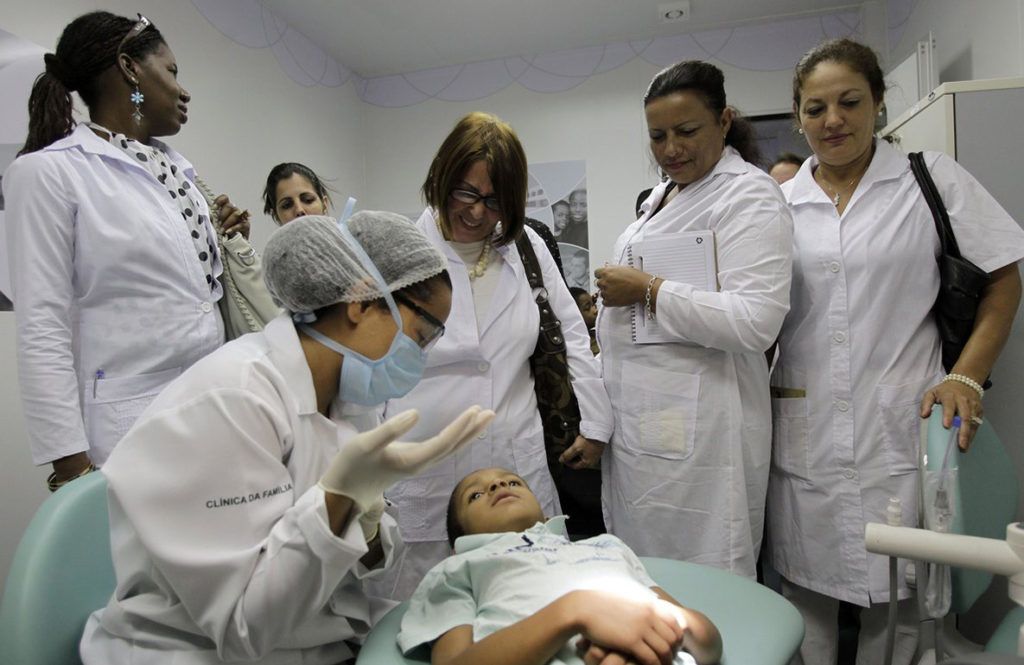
579,490
961,283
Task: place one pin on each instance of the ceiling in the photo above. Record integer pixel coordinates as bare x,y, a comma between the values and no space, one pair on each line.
382,37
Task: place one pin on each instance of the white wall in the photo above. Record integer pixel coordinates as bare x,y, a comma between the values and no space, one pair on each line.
246,115
974,40
601,121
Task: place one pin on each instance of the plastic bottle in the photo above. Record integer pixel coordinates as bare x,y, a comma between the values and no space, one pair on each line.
943,507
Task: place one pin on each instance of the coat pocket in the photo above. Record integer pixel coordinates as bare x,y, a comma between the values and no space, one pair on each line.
113,405
789,436
901,425
659,414
528,455
422,505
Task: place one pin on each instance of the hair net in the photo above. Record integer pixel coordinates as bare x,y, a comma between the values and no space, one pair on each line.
308,263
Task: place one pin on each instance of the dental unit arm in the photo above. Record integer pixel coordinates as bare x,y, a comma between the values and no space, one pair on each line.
994,556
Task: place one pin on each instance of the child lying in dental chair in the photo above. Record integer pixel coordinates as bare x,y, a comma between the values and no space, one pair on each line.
517,591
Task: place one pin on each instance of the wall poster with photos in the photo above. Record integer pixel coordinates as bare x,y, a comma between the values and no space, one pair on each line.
557,196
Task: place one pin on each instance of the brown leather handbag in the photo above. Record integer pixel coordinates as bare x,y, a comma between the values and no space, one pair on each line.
579,490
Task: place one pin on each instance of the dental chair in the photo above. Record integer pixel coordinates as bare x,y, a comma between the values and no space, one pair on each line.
758,626
988,493
62,572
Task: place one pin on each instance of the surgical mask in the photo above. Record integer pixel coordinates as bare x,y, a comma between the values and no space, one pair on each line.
368,382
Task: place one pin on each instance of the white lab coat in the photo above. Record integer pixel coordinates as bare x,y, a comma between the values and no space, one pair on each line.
106,282
687,469
219,532
490,368
861,341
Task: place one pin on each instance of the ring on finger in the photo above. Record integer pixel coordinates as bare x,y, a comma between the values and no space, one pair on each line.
977,420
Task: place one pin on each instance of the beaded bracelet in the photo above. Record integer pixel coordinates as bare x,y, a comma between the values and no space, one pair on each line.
967,381
647,299
53,484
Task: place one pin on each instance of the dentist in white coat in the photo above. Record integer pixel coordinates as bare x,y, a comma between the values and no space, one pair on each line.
476,189
113,259
686,473
245,510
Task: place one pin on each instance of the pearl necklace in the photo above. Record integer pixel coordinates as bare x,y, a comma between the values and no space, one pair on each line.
482,262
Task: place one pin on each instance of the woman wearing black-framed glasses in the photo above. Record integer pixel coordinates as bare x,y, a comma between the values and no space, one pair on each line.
115,267
475,190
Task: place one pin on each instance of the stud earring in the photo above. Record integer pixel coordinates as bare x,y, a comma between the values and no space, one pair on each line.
800,130
137,98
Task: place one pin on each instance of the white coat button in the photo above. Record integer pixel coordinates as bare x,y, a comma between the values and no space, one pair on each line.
483,367
843,406
206,307
839,337
834,266
849,474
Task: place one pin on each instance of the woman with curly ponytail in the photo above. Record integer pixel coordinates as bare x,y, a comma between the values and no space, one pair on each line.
114,262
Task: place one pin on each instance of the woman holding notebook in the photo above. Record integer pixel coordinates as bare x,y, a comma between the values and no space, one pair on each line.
682,343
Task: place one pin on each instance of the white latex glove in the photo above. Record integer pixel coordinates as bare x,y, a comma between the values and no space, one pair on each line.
371,462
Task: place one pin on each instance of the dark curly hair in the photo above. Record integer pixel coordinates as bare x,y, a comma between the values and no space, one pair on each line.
87,48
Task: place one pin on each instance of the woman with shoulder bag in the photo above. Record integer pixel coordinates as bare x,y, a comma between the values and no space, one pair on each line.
859,354
114,261
476,192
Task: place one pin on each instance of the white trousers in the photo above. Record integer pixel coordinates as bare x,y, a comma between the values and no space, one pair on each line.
821,629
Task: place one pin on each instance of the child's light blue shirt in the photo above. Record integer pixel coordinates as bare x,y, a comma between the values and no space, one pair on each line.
497,579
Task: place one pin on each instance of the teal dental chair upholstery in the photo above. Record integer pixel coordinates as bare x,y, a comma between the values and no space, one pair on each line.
758,626
62,572
989,490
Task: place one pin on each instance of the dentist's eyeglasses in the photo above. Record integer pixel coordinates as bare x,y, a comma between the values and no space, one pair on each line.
470,198
438,328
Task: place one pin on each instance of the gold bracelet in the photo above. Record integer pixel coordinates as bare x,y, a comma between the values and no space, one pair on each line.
967,381
53,484
647,299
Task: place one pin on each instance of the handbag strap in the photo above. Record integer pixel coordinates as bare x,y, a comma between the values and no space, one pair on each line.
209,196
947,239
550,326
530,263
230,286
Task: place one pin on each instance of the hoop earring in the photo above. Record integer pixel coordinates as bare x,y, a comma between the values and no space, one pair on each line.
137,98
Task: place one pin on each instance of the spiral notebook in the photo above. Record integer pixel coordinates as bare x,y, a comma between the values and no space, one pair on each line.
687,257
